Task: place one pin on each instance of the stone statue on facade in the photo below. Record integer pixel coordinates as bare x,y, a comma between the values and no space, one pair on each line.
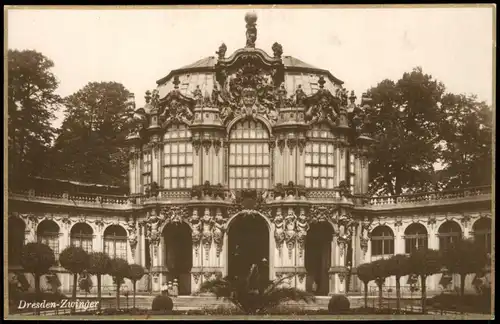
302,227
206,235
219,228
290,233
196,228
132,233
300,96
251,19
279,230
198,96
153,226
221,53
277,50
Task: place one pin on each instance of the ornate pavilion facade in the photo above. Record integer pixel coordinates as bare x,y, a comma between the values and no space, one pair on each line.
242,158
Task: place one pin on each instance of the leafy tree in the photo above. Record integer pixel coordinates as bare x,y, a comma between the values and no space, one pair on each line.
31,105
119,269
136,272
99,264
75,260
380,271
90,146
405,122
424,263
398,266
252,294
37,258
466,138
464,257
365,274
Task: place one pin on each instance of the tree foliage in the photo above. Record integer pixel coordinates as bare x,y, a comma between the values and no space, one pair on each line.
135,273
418,125
405,122
99,264
475,261
37,258
90,146
119,269
74,259
32,102
466,140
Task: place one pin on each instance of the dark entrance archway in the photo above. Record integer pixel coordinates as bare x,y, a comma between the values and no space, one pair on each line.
318,251
178,255
248,243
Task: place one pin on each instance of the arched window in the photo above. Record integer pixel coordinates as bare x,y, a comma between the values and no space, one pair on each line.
81,236
115,242
449,232
48,234
415,238
320,158
382,241
482,233
178,158
16,239
249,165
146,168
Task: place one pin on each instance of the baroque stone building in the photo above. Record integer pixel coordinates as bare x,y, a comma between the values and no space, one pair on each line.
245,157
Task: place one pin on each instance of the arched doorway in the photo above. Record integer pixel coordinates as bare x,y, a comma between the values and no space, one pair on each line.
178,255
317,259
248,243
16,240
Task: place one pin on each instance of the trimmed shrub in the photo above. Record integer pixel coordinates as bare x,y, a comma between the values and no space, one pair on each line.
163,304
339,304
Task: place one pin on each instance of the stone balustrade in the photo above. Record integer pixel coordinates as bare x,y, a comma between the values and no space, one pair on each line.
482,193
428,198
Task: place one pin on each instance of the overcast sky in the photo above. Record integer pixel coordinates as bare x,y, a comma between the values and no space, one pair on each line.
359,46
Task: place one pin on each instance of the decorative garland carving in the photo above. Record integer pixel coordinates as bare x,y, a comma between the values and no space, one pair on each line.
206,145
281,144
196,142
291,143
302,142
217,143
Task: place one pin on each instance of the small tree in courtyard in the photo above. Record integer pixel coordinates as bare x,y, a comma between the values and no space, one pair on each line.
424,263
119,269
37,258
75,260
365,274
464,258
99,264
398,266
136,272
380,272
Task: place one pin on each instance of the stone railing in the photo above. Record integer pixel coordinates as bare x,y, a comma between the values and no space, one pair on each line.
222,194
77,199
427,198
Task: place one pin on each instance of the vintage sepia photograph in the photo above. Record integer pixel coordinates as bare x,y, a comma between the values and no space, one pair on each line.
249,162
